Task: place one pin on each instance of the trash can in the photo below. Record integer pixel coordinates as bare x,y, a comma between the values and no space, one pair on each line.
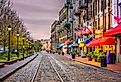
73,56
111,57
103,62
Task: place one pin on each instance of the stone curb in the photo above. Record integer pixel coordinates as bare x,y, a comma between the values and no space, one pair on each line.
3,77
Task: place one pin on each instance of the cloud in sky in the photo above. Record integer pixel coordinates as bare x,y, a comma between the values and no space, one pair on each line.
38,15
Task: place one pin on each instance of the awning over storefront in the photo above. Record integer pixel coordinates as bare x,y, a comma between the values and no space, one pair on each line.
81,44
70,45
92,43
102,41
59,45
107,41
113,31
74,45
86,41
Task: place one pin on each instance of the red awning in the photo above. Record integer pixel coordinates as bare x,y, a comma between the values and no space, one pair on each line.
102,41
92,43
113,31
107,41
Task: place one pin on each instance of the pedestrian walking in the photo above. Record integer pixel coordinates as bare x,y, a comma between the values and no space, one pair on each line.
62,53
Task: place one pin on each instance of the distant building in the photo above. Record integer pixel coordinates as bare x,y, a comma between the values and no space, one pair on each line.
46,44
55,35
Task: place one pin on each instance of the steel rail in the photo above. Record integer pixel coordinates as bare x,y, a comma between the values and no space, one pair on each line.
35,74
57,72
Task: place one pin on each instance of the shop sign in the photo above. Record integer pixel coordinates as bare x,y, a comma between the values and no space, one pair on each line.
98,33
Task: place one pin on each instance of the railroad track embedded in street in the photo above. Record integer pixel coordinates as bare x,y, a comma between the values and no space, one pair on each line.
35,74
58,78
57,72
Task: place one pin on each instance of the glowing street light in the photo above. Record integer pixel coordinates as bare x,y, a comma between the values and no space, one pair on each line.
9,30
17,43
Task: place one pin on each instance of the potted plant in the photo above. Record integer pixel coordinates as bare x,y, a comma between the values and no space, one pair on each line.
78,53
95,55
89,55
73,53
103,59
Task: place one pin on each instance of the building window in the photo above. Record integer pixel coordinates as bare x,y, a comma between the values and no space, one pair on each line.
108,3
98,23
95,8
90,12
109,15
99,5
103,5
74,1
95,24
104,22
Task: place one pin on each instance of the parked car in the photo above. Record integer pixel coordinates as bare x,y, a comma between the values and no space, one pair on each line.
2,50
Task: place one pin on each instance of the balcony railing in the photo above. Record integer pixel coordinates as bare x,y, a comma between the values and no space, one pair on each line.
83,4
77,11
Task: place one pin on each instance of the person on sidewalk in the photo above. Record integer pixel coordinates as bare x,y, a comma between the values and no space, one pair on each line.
83,54
62,53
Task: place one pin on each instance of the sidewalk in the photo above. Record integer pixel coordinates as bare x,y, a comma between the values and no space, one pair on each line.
9,69
113,67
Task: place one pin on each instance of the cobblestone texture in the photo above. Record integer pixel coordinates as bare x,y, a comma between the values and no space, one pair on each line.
46,73
79,72
26,73
70,71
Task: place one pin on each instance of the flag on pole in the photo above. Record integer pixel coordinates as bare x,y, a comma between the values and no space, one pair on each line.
117,19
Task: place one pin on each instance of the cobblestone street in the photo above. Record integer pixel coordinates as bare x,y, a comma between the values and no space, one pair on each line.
60,40
26,73
41,70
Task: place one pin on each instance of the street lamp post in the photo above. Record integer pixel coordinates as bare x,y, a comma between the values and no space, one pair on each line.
23,47
17,44
9,29
27,46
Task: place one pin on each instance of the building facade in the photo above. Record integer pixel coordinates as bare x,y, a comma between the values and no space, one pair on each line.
55,35
89,18
46,44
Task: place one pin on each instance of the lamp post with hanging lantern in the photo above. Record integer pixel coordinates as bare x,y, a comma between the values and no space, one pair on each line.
23,47
9,30
17,44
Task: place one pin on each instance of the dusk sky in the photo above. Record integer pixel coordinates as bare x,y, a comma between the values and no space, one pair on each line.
38,15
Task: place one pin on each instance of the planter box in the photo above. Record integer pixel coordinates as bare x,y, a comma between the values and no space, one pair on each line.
95,60
20,59
78,55
103,62
89,59
9,62
12,61
83,56
73,56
